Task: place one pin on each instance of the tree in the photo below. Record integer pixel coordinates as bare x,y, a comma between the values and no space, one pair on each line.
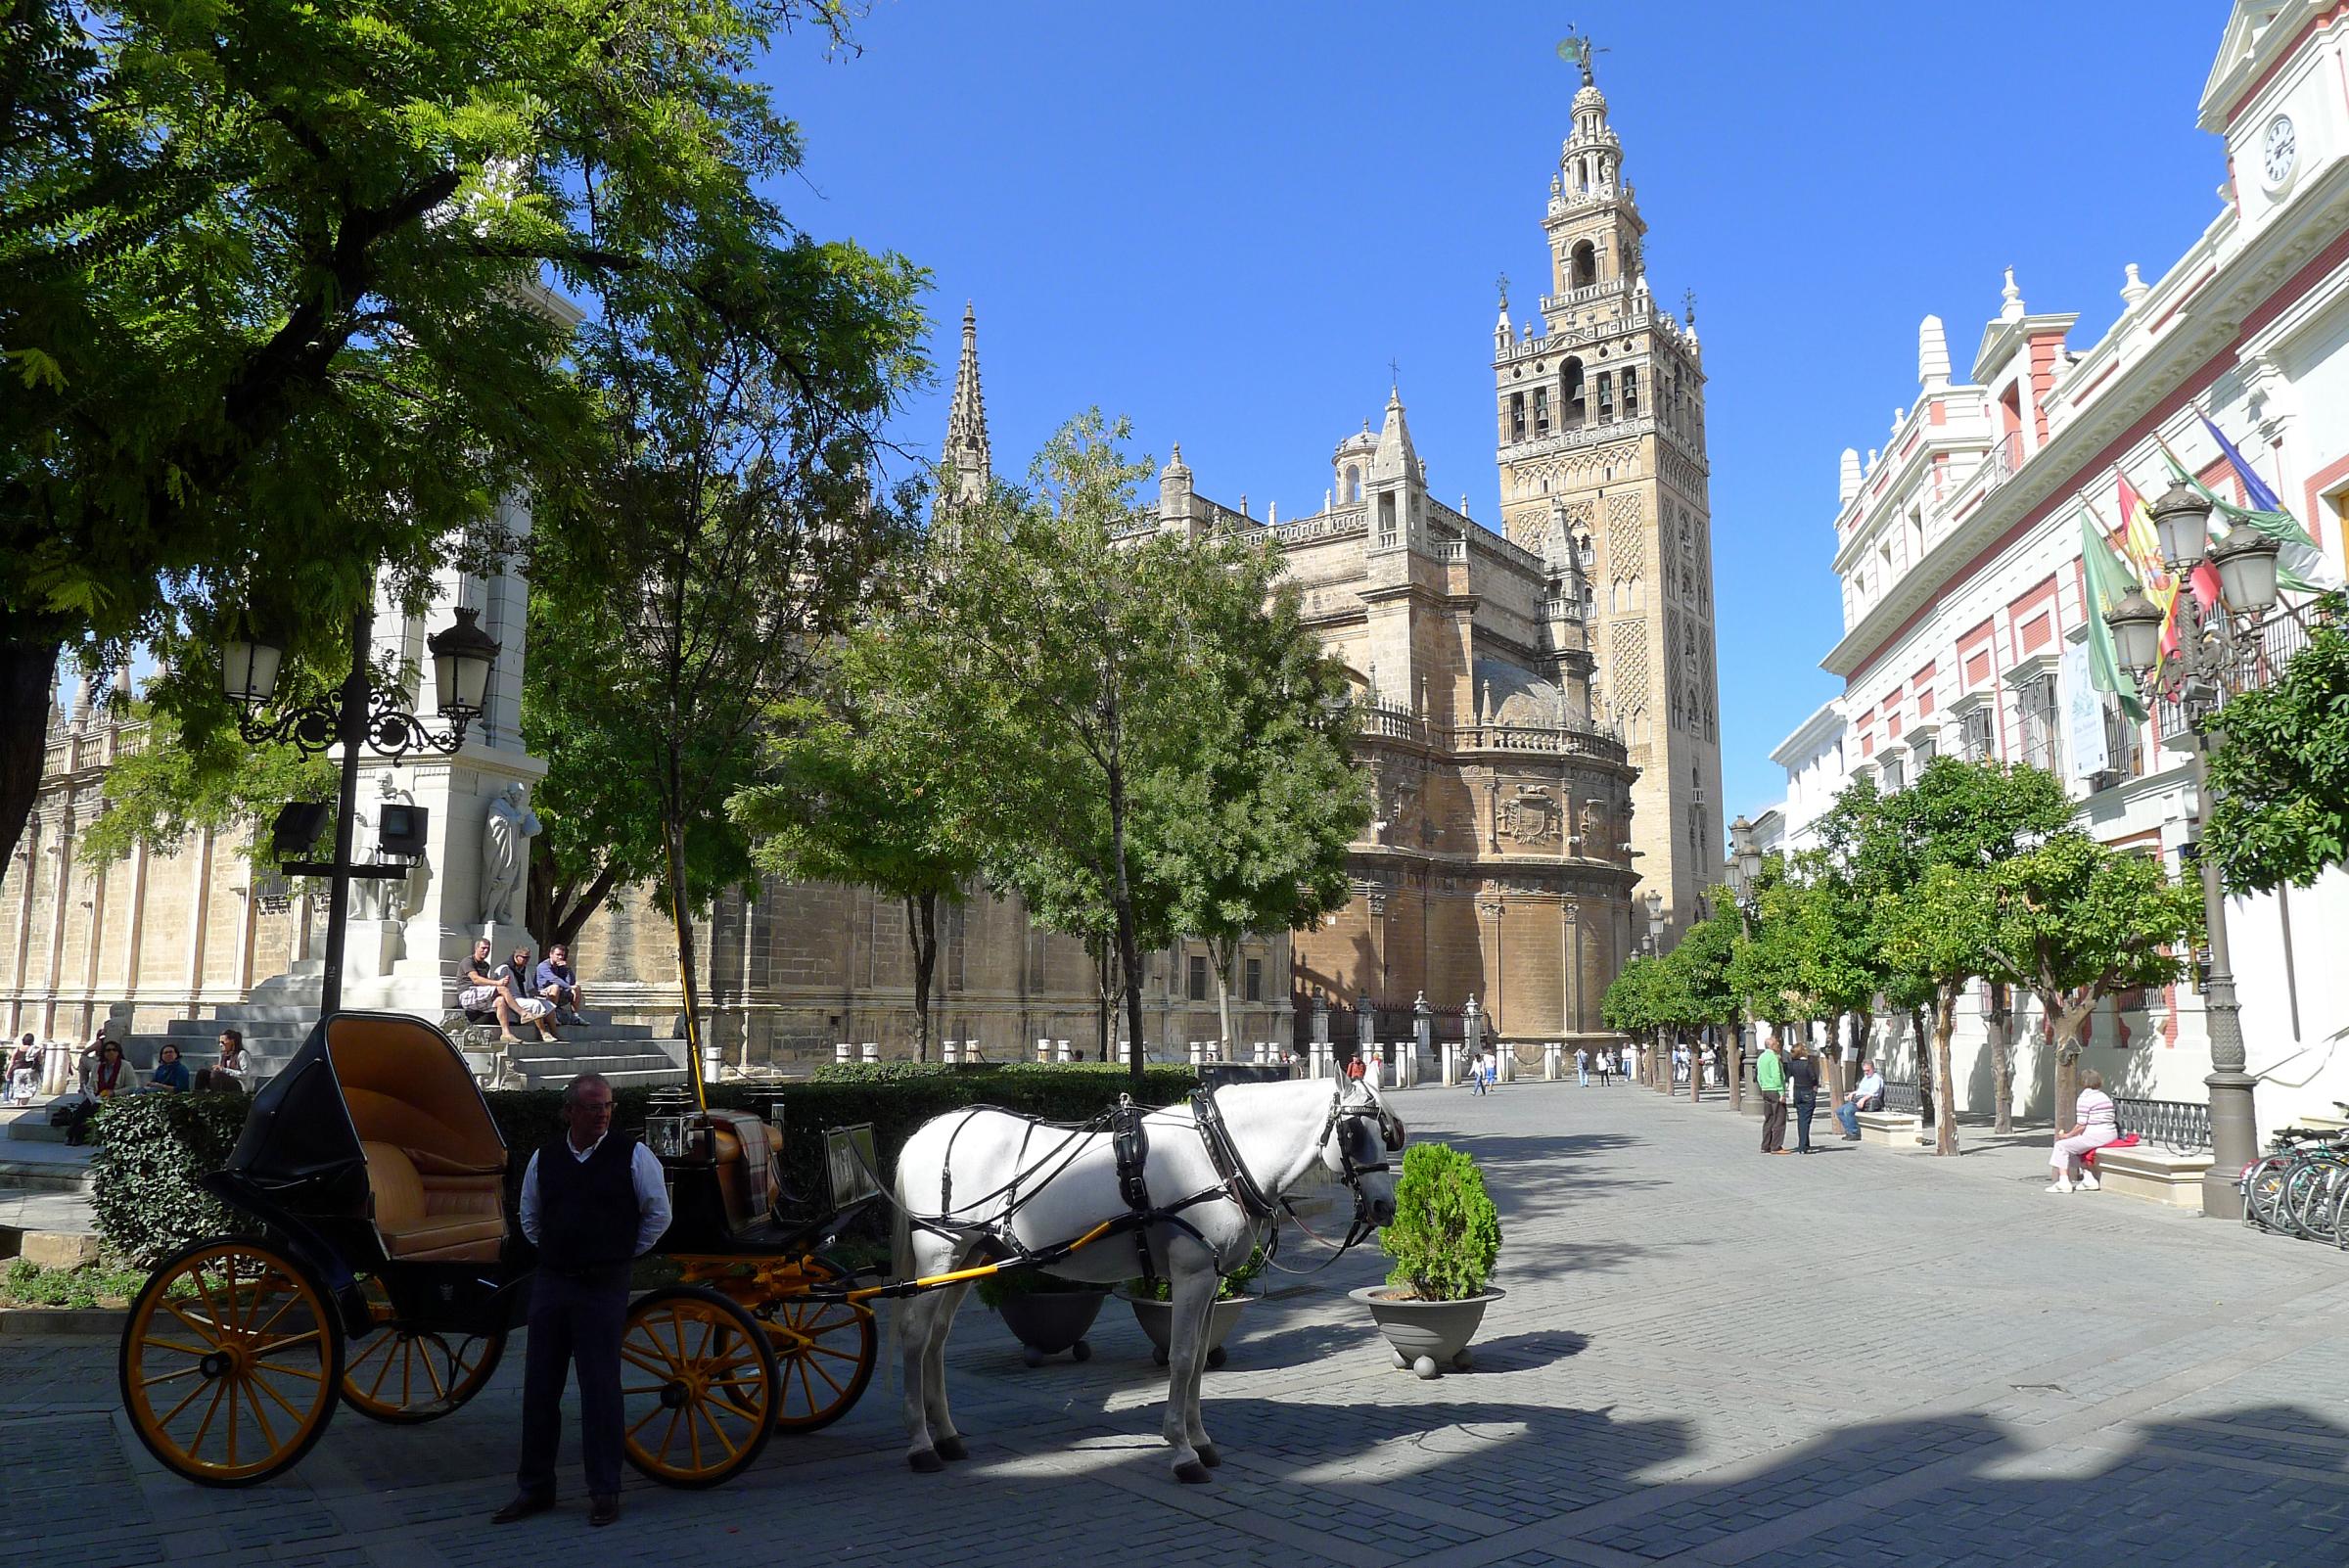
1255,818
274,297
2075,922
1967,818
170,786
1938,935
1701,966
867,787
2280,768
1107,664
721,531
601,810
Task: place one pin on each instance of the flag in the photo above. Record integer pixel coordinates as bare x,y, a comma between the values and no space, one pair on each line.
2109,585
2141,545
2300,566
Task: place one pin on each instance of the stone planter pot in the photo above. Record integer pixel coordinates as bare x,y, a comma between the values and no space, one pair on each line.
1427,1336
1047,1322
1157,1318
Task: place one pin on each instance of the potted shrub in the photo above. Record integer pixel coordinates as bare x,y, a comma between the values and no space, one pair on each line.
1045,1313
1444,1241
1154,1310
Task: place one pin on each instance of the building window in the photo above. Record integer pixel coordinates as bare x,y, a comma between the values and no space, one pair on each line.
1896,776
2043,737
1921,748
1386,520
2124,744
1630,393
1974,736
1540,410
1198,986
1254,988
1353,484
1517,416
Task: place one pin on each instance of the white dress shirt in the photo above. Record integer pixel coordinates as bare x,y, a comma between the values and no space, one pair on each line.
652,1193
1867,1088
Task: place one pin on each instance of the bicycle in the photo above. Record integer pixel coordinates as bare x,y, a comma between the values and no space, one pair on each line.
2283,1186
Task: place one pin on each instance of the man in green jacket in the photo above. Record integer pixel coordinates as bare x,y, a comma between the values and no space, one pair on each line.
1770,1076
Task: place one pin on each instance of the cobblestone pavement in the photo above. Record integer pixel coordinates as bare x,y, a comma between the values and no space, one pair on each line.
1704,1356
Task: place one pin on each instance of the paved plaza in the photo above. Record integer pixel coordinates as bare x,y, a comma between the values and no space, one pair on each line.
1705,1356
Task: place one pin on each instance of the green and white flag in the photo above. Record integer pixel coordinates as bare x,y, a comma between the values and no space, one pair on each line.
2107,582
2300,566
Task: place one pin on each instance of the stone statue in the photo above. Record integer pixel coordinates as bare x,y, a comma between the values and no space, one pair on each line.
506,836
377,897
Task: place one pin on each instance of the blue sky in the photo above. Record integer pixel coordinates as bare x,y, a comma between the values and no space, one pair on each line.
1224,221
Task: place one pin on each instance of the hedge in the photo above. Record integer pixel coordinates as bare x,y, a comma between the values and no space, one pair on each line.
153,1147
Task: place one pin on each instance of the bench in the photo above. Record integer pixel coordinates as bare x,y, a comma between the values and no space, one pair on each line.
2146,1171
427,1208
1895,1129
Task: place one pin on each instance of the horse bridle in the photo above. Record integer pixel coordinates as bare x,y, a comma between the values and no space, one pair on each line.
1251,1196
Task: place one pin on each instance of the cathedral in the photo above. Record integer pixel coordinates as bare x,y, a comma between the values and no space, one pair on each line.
1538,728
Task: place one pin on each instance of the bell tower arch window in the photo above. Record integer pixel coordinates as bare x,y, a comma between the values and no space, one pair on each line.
1353,484
1583,266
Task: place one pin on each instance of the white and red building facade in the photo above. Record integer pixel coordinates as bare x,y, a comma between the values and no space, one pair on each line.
1959,547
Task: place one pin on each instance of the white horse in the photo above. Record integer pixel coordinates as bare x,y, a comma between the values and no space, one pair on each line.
984,1183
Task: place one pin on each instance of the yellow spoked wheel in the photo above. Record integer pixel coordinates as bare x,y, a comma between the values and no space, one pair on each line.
229,1363
406,1376
697,1387
824,1354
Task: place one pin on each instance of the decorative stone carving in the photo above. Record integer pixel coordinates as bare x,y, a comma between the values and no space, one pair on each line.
506,836
1530,815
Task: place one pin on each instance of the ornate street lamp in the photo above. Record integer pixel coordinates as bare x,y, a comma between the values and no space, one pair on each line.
1745,882
2210,667
357,714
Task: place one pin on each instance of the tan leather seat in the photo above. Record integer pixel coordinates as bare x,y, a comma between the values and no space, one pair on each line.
444,1216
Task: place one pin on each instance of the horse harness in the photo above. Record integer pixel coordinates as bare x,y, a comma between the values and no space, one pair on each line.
1130,1148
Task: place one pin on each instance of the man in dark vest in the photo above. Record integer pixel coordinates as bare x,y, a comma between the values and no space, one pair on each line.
591,1203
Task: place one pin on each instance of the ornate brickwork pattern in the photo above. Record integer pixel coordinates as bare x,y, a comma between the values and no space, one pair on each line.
1627,540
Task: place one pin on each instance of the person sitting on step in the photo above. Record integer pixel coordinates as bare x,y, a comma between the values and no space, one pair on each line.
485,999
514,978
559,984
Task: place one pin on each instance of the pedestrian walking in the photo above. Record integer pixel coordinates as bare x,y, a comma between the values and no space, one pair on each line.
1607,1067
592,1203
1582,1064
1769,1076
1802,1075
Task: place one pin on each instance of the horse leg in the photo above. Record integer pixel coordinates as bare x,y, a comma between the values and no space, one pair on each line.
1194,1292
948,1441
920,1321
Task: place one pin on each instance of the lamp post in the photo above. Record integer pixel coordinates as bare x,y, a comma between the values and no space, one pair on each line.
1745,881
1653,898
1495,906
2208,668
357,713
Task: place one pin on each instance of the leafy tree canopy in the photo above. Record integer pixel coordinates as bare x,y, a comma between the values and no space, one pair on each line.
2279,769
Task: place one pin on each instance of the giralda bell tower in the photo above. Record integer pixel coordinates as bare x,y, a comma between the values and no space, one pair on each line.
1602,453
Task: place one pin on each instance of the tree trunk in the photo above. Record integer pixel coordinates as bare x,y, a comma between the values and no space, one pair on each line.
673,842
1225,952
555,910
921,930
2001,1070
1945,1024
1926,1066
27,689
1130,951
1105,994
1697,1054
2070,1027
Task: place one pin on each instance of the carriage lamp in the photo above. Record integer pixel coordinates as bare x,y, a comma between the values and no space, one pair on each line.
463,655
2246,563
249,669
2136,625
1748,852
2180,525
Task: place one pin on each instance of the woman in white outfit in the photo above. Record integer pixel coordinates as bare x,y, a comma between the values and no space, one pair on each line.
2099,1125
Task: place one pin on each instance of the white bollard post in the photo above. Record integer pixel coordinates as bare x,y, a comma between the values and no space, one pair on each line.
871,1051
1506,1058
1378,1066
950,1050
1406,1064
844,1052
1451,1063
1043,1050
1550,1062
1061,1051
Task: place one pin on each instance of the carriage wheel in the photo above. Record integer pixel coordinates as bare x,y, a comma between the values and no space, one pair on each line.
406,1376
824,1354
229,1363
697,1387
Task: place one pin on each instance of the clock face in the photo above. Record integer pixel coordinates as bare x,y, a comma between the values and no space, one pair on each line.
2282,146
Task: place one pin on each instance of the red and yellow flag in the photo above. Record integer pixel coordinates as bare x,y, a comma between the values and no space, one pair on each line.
2141,545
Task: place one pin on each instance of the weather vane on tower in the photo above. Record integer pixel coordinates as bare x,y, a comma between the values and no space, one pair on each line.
1576,50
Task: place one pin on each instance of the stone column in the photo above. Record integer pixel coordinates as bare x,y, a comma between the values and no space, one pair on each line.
1366,1025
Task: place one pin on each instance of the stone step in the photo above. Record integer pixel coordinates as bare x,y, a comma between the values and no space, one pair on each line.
44,1168
584,1062
247,1016
557,1074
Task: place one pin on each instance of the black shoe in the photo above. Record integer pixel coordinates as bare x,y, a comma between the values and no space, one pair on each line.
604,1511
524,1505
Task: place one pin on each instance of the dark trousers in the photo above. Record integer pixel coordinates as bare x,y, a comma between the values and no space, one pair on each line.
1804,1105
1774,1121
573,1320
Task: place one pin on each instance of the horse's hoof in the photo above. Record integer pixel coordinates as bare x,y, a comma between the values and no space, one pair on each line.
952,1448
1191,1473
1426,1366
925,1461
1209,1456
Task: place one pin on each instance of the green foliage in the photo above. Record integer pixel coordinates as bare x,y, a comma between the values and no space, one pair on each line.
1446,1233
1229,1285
2280,768
28,1284
151,1149
1153,737
2075,922
173,784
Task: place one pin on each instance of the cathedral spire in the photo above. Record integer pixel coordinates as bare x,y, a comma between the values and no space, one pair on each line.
966,450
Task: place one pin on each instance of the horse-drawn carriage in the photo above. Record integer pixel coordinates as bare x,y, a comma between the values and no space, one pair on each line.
385,1273
381,1268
